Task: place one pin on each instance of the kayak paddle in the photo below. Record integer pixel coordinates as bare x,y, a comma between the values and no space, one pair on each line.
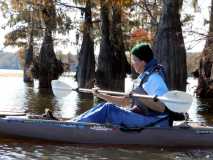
177,101
9,113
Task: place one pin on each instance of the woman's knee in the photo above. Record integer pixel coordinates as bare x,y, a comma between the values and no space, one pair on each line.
110,106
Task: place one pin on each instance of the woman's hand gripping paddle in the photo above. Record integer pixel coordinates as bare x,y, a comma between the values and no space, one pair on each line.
177,101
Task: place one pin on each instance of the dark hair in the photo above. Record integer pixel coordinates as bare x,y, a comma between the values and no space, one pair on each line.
143,52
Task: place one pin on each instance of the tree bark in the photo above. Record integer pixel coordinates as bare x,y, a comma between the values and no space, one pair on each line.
47,60
169,47
205,80
122,66
112,63
47,68
86,67
29,61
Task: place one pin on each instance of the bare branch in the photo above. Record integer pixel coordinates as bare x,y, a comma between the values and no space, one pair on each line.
71,6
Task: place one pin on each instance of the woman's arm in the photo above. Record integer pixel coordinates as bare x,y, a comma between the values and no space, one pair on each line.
154,105
119,100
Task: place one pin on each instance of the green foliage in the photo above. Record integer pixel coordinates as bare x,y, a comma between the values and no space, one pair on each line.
64,23
194,3
4,8
187,18
30,15
15,37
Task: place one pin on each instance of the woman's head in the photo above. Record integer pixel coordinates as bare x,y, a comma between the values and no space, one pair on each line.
141,54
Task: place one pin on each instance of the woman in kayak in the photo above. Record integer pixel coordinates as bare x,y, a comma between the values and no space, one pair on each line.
128,111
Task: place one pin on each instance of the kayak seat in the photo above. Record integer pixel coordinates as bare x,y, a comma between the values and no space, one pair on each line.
175,116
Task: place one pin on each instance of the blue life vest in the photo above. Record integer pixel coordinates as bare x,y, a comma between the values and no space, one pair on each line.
137,104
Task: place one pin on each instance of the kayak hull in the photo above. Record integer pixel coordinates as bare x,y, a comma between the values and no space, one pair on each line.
89,133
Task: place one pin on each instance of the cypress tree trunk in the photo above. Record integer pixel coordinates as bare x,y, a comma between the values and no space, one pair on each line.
112,63
121,65
86,67
105,58
169,45
47,61
47,68
205,80
29,61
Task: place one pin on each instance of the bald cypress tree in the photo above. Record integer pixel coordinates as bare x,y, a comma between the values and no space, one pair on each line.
205,79
49,68
112,64
86,67
169,45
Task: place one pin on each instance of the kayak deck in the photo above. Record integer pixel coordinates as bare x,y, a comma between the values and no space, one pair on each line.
91,133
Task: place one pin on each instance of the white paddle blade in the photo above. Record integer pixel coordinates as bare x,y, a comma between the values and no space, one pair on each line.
60,89
60,84
178,101
10,113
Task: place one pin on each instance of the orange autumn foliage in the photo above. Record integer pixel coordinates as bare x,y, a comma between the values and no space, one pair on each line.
141,35
122,2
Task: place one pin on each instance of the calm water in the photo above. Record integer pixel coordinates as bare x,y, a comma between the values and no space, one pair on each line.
17,96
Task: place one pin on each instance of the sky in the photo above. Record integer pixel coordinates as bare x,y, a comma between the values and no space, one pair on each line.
197,24
190,43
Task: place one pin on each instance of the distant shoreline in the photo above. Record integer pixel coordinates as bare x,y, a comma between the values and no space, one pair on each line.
11,73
